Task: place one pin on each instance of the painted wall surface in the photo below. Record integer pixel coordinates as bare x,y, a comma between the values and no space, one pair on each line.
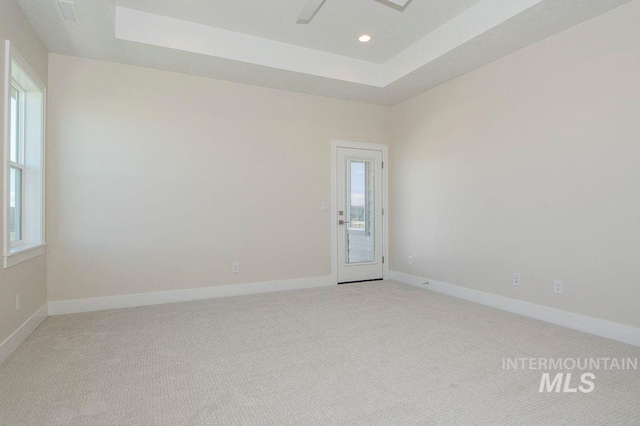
160,181
28,278
529,164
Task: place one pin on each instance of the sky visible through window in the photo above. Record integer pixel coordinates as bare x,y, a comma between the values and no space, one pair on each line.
357,183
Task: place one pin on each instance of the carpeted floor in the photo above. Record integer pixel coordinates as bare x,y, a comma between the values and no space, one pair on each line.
369,353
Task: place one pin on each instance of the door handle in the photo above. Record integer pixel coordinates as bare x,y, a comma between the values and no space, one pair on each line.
342,222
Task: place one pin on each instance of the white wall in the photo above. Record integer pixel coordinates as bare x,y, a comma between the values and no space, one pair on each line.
159,181
28,278
529,164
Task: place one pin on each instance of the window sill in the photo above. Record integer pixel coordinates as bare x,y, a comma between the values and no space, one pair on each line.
23,254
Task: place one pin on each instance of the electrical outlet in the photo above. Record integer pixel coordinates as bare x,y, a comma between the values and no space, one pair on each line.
18,302
516,279
410,260
558,287
324,206
235,268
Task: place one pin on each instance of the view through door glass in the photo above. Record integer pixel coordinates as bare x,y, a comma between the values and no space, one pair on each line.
361,231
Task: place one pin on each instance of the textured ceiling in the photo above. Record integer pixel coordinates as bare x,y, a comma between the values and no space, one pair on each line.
95,38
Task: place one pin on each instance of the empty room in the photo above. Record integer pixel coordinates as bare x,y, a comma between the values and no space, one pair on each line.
320,212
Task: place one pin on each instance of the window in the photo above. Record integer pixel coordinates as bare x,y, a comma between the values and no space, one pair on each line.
24,160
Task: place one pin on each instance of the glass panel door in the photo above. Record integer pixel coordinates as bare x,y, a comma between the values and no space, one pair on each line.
359,221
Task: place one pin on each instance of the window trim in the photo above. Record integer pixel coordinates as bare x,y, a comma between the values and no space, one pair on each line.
21,251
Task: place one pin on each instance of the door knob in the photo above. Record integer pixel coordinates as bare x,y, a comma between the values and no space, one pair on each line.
341,222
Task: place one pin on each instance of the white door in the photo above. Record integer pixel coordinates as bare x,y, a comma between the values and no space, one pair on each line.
359,224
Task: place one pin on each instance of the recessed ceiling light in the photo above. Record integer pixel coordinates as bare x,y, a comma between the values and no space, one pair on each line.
364,38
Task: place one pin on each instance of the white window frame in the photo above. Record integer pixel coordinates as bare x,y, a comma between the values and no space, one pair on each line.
32,234
20,160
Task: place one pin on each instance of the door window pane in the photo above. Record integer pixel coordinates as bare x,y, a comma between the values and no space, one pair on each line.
15,204
360,235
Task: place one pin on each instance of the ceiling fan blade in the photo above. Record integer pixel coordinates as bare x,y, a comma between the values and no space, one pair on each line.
396,4
309,10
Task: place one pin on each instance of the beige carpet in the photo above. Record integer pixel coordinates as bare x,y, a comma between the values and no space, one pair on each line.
370,353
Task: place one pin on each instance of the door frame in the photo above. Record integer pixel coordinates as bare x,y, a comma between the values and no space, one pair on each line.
335,144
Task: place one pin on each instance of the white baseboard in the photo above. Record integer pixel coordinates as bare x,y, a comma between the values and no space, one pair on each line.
156,298
12,342
599,327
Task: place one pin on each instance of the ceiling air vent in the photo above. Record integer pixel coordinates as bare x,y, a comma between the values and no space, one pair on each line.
68,11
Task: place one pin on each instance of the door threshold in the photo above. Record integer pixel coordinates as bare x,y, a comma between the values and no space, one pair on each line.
361,281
